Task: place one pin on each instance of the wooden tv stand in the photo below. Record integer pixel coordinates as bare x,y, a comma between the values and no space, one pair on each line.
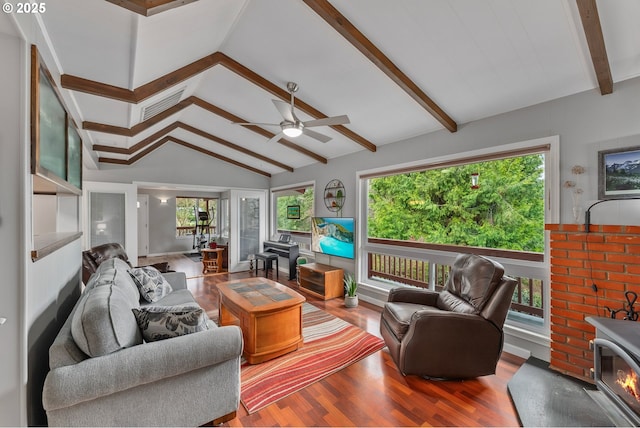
323,281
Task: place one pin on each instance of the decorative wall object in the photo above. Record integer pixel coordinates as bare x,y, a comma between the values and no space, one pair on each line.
619,173
293,212
56,146
576,191
334,196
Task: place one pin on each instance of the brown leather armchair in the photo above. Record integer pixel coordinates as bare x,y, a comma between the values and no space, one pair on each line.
456,333
92,258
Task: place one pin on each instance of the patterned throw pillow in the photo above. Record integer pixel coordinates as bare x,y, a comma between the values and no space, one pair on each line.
164,322
151,283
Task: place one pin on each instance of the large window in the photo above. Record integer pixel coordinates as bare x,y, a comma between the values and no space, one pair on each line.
418,217
495,204
196,216
294,209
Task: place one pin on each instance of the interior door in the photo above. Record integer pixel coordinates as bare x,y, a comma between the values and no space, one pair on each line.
143,225
248,226
110,215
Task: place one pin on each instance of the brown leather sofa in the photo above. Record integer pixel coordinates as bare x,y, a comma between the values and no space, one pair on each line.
92,258
456,333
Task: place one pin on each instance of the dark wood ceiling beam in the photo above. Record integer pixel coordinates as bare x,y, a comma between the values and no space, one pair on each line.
143,92
260,81
237,119
217,156
343,26
198,149
595,40
164,131
230,145
142,126
150,7
131,132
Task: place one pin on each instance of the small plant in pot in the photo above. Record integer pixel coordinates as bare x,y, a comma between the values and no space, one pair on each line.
350,288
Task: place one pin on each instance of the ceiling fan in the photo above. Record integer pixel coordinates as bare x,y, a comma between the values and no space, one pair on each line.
293,127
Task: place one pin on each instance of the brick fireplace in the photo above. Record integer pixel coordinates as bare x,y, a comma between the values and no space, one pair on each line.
609,257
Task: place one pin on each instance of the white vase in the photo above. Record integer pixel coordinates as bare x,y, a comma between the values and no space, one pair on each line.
351,302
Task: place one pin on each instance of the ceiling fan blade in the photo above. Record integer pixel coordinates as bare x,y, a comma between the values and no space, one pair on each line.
285,110
275,137
318,136
328,121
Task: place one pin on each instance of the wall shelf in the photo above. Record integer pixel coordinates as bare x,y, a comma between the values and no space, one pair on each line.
334,195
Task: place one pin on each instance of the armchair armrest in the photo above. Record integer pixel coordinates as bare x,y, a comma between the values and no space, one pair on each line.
141,364
458,335
413,295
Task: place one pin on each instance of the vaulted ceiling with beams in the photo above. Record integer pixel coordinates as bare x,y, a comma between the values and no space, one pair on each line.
144,73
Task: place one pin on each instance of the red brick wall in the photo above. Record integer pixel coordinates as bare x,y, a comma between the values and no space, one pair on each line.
607,256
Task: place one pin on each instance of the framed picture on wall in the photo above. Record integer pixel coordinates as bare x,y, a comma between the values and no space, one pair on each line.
619,173
293,212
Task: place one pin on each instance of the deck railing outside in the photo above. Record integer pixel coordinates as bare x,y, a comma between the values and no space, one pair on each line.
527,297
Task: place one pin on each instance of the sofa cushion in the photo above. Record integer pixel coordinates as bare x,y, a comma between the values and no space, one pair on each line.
150,282
164,322
116,272
175,298
103,322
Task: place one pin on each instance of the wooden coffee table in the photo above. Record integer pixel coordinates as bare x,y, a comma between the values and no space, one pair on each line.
269,314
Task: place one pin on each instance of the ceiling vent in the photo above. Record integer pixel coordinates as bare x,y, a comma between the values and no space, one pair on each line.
161,105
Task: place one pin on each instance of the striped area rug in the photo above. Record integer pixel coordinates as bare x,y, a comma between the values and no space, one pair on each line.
330,344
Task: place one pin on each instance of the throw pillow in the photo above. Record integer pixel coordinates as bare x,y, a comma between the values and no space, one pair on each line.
164,322
150,282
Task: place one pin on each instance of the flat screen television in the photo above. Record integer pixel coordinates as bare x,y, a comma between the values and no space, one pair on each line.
333,236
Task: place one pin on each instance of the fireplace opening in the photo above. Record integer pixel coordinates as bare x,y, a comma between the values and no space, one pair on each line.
617,377
616,371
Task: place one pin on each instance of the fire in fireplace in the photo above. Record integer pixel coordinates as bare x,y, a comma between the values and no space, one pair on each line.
616,369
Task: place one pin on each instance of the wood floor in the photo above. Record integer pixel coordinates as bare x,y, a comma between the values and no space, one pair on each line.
370,392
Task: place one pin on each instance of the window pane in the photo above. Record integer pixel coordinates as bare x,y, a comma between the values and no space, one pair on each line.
186,220
286,220
503,210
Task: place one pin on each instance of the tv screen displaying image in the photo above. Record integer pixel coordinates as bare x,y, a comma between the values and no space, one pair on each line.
333,236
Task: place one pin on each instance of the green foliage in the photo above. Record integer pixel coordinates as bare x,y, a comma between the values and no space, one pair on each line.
305,200
350,285
439,205
186,214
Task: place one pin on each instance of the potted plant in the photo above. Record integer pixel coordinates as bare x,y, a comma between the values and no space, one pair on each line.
350,288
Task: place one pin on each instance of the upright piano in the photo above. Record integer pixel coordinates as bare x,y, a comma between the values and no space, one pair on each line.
286,250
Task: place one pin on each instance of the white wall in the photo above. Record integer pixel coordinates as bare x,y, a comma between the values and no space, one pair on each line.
34,296
12,333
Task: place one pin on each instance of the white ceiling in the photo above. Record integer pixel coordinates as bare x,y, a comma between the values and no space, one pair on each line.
474,58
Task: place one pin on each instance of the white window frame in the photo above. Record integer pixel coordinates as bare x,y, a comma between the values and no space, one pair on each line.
529,269
273,214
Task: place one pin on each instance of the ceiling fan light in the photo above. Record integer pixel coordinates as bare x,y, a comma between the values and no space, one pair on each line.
291,130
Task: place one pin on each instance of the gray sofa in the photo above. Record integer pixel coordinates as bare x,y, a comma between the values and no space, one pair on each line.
102,373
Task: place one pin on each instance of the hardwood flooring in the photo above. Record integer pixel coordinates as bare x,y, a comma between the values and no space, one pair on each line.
370,392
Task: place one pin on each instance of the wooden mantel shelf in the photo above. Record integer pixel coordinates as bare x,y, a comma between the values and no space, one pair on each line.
45,244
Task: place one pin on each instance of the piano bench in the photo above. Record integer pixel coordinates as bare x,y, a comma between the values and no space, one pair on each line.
268,259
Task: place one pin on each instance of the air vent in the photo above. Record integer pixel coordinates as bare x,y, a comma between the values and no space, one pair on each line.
161,105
